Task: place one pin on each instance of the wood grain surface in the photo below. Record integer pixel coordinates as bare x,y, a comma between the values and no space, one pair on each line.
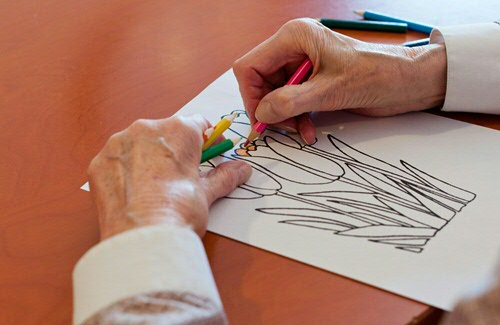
74,72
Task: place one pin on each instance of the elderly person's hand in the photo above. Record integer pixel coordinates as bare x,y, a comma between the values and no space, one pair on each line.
371,79
148,174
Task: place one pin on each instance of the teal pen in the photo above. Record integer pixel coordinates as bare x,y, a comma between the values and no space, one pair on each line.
371,15
418,42
382,26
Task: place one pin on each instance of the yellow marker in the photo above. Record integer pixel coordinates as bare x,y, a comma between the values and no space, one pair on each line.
216,131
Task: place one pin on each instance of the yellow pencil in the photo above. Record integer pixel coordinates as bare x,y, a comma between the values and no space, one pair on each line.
216,131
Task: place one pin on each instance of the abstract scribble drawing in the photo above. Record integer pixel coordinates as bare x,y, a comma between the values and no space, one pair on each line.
348,192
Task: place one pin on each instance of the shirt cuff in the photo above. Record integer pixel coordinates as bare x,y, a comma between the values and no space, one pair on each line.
473,80
146,259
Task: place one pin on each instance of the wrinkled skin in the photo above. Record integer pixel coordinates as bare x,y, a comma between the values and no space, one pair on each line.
370,79
148,174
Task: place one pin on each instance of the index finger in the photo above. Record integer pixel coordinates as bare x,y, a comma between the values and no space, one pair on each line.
268,66
185,134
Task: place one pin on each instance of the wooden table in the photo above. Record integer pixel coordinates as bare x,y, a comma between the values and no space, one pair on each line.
74,72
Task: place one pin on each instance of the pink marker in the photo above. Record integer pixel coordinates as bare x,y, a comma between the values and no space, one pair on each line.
296,79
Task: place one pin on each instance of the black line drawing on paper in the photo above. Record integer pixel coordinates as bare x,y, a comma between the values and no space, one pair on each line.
349,193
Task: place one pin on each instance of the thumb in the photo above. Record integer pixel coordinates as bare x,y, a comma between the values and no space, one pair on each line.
289,101
224,178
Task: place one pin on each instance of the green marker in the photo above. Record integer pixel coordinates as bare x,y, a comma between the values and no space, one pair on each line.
381,26
412,25
218,149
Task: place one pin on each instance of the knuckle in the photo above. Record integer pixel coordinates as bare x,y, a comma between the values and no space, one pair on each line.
193,124
200,119
175,122
238,66
304,31
292,24
226,183
190,127
140,126
95,166
284,106
114,138
114,141
299,24
242,67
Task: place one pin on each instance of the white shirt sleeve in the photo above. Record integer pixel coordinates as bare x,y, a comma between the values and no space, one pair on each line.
146,259
473,54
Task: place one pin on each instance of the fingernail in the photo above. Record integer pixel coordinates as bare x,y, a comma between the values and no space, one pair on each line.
305,141
244,172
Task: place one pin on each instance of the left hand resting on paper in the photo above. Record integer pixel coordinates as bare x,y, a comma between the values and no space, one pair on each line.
148,174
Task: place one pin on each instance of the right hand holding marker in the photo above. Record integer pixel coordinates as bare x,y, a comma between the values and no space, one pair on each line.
371,79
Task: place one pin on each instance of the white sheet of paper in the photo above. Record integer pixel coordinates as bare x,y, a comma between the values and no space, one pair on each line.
85,187
408,203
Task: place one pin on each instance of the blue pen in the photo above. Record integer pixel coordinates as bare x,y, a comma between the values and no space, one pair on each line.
371,15
419,42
